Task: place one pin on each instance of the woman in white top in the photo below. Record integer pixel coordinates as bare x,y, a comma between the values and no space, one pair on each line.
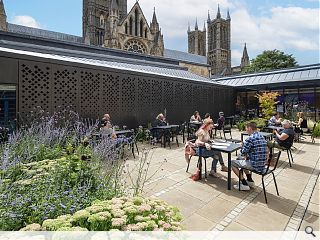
203,138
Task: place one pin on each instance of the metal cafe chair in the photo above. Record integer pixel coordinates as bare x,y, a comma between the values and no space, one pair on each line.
270,168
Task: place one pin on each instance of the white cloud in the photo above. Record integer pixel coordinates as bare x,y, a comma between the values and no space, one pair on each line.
286,28
283,28
27,21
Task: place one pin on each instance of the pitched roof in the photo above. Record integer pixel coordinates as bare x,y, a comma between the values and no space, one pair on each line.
168,53
120,63
309,74
43,33
186,57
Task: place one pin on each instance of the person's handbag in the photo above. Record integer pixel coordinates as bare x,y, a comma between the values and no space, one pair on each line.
196,176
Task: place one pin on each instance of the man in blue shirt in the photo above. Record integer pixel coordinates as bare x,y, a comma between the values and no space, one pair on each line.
255,153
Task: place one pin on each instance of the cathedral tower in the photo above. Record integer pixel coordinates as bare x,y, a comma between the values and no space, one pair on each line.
197,40
219,44
96,19
3,17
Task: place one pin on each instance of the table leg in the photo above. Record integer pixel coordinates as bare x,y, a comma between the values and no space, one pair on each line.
229,171
200,167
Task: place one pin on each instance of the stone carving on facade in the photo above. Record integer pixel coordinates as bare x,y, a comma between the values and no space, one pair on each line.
121,30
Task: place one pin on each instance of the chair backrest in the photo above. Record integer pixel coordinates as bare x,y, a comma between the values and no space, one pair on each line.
273,161
304,124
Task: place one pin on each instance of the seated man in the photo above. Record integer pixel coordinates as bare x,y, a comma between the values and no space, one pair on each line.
284,139
275,120
255,153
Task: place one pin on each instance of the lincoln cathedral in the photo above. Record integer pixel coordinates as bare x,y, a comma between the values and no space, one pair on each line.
109,24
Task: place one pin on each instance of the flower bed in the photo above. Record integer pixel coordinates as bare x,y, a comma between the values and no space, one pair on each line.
125,214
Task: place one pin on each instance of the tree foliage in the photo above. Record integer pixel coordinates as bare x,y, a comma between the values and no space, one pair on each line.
268,102
270,60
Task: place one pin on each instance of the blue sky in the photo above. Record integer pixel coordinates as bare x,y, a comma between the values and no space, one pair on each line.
290,26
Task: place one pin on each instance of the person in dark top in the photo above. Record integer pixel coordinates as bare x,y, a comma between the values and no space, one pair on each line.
160,121
284,138
220,123
275,120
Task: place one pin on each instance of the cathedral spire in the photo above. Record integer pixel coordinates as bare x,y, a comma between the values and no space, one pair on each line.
245,60
196,26
228,15
154,18
218,13
189,30
209,19
3,17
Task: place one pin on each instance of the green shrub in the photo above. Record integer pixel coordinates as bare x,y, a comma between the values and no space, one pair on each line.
125,214
316,131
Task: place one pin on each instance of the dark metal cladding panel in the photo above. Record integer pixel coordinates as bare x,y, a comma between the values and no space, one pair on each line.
35,88
8,71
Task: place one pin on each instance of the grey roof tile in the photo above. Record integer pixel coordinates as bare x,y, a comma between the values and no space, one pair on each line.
185,57
43,33
285,76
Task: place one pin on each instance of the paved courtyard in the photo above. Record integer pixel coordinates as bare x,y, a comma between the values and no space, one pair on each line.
208,205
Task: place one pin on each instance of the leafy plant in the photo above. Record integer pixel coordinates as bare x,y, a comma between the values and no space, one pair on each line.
268,103
126,214
316,131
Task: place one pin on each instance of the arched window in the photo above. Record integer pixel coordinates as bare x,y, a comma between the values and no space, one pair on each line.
126,28
130,25
136,17
146,33
141,28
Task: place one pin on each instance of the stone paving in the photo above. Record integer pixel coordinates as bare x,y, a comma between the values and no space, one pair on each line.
208,205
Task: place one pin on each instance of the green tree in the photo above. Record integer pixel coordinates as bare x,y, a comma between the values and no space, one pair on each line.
270,60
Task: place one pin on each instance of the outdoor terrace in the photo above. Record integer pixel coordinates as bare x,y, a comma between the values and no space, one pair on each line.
208,205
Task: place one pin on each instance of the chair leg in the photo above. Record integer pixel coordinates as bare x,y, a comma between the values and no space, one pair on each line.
132,149
135,143
188,164
177,141
275,183
264,190
289,158
240,173
291,155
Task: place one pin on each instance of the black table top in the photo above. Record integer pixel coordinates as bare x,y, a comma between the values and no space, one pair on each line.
166,127
226,147
196,123
275,127
119,132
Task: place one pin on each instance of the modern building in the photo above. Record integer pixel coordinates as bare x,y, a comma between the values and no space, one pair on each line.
299,90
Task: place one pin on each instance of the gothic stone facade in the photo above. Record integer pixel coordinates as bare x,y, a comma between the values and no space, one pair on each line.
197,41
219,43
106,23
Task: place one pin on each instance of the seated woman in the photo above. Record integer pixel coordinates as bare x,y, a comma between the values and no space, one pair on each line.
107,131
203,138
195,117
160,121
275,120
284,139
302,123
